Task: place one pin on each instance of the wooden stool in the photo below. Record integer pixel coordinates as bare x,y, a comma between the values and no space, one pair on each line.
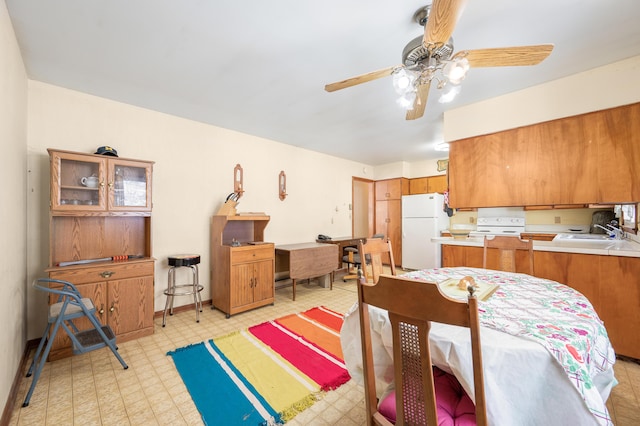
194,288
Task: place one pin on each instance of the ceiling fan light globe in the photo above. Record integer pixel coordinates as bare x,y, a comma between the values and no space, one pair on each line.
403,81
456,70
407,100
449,94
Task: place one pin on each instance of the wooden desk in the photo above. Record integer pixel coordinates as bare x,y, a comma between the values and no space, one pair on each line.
307,260
343,242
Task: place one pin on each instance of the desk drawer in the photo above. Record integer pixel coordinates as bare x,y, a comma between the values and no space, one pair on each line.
104,272
252,253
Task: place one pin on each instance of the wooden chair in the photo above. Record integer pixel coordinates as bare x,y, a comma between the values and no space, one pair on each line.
411,306
507,248
352,257
376,251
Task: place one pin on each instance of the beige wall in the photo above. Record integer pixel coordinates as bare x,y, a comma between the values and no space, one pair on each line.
13,210
193,173
409,170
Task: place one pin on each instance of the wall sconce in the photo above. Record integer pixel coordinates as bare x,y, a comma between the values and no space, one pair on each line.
282,185
237,180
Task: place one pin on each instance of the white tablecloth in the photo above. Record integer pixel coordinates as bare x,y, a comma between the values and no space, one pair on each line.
524,383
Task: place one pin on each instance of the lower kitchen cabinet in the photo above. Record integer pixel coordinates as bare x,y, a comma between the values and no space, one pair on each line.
609,282
580,271
122,294
620,302
462,256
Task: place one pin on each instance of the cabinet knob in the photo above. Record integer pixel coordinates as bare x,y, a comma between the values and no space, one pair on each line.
101,311
112,308
106,274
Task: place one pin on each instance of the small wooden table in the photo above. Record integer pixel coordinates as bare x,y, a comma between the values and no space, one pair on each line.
307,260
343,242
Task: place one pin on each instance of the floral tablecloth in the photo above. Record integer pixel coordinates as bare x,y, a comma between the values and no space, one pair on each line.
552,314
546,355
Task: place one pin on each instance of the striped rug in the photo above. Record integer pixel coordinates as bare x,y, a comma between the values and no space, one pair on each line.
267,373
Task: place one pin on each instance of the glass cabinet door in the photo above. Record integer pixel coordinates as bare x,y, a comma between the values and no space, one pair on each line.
77,182
129,185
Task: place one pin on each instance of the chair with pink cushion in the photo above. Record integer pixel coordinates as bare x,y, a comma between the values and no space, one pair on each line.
424,394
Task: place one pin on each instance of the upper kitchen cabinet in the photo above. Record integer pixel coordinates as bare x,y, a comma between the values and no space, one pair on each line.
590,158
391,189
99,184
428,184
617,131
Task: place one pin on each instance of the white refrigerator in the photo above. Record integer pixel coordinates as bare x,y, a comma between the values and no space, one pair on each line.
423,218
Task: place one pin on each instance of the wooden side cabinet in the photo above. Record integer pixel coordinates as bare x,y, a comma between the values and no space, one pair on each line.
100,209
242,264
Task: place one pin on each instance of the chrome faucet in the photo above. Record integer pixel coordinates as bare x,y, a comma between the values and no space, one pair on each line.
612,231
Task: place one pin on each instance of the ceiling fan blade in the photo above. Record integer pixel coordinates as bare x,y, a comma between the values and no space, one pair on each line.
420,103
363,78
506,56
442,20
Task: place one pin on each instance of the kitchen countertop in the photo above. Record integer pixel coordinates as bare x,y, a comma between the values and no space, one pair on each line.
627,248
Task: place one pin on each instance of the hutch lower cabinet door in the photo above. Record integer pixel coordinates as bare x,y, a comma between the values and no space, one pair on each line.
123,297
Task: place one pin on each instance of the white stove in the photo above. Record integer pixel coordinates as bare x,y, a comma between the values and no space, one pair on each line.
513,226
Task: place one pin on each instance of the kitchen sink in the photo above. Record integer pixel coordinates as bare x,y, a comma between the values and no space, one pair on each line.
596,242
582,237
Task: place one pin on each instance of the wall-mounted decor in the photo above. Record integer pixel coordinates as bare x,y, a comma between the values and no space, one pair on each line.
443,165
282,185
237,180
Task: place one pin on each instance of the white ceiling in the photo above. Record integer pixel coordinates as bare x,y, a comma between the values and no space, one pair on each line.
260,66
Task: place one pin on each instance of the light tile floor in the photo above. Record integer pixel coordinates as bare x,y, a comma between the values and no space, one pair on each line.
93,389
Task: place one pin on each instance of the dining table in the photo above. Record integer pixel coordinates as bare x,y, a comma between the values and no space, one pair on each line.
546,354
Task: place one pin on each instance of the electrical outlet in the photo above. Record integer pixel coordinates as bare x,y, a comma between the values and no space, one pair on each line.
472,219
556,219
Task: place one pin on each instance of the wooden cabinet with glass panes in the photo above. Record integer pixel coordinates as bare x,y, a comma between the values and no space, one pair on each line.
100,239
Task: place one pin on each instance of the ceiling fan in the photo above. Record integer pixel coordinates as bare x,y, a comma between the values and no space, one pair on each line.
430,57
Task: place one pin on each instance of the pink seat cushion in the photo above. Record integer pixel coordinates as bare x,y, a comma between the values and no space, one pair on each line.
455,408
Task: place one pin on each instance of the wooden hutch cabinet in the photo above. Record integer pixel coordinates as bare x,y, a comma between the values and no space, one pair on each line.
242,264
101,209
